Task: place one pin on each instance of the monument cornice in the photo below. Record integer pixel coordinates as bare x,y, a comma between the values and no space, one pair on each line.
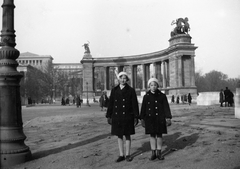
142,58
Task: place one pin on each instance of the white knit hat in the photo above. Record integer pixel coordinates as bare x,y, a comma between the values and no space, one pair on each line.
122,73
153,80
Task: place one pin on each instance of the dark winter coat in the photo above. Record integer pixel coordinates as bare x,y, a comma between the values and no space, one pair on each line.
122,109
154,111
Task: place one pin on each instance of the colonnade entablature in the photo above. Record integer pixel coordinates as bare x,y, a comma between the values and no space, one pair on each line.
174,67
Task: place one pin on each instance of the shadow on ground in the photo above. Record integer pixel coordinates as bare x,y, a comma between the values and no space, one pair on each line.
45,153
173,142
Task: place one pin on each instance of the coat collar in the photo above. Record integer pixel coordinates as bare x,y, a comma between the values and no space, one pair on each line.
158,92
118,87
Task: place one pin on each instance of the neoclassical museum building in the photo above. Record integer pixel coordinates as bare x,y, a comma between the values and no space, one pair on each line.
174,67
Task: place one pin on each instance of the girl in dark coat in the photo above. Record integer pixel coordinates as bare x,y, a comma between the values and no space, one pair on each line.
155,116
123,114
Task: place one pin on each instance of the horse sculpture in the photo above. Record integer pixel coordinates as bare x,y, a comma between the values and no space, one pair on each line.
182,26
86,47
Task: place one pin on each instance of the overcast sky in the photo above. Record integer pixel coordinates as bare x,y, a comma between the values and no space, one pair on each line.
129,27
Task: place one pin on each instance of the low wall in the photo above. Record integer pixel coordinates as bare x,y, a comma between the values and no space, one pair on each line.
208,98
237,103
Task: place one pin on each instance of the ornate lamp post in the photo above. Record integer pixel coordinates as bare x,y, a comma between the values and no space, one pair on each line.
12,148
87,95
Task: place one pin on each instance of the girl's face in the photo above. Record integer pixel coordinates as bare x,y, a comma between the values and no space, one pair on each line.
123,80
153,86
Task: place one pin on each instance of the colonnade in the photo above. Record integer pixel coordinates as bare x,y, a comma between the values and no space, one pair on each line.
171,73
174,67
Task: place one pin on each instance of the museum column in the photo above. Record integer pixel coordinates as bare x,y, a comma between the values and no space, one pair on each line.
12,147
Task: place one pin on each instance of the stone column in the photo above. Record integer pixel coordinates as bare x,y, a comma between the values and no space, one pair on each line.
106,78
88,81
158,70
180,78
12,147
164,74
192,71
135,75
237,101
94,80
147,66
144,77
167,74
120,69
132,75
154,69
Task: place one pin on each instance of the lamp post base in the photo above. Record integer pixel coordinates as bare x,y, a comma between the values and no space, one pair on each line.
8,160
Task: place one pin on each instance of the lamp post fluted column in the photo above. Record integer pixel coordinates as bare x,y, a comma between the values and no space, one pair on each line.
12,148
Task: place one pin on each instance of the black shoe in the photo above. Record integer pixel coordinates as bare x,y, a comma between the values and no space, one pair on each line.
129,158
120,158
159,155
153,157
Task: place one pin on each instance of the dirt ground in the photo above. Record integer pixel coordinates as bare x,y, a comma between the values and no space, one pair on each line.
64,137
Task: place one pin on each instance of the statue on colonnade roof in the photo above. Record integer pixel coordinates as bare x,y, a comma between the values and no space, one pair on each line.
182,26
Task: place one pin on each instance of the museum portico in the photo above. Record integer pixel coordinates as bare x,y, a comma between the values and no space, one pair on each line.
173,67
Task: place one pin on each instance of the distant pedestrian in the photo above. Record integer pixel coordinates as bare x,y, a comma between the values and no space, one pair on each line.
226,96
67,101
177,100
230,98
173,99
221,98
103,100
189,98
78,101
63,101
155,117
123,114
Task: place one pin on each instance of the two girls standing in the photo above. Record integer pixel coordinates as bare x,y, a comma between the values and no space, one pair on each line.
123,115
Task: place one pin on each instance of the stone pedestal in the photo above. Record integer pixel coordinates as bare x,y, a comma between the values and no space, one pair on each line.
237,101
88,74
180,39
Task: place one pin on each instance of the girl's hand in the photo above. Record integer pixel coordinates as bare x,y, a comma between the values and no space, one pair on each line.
135,121
168,122
109,120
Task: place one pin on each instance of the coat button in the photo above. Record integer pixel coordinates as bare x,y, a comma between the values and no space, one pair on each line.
115,100
116,106
156,101
116,112
156,113
149,109
148,102
155,107
123,106
123,99
123,112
